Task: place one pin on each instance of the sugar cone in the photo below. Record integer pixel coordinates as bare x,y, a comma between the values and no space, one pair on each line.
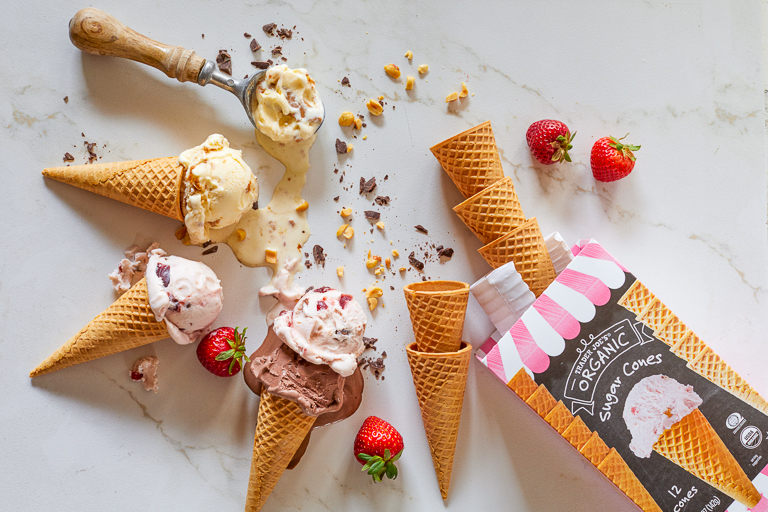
559,417
617,471
471,159
655,314
693,444
636,298
493,212
577,433
594,450
671,331
128,323
689,346
541,401
153,185
440,380
524,246
437,310
280,430
712,367
522,384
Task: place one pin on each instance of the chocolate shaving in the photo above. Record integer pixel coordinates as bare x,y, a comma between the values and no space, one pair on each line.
254,45
307,264
421,229
211,250
92,157
225,62
382,200
369,185
345,81
246,35
335,198
284,33
384,354
447,253
277,50
206,244
317,253
255,205
362,184
370,215
269,28
370,342
68,157
418,265
66,99
341,146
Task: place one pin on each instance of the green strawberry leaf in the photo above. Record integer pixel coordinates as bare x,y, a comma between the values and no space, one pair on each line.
391,471
396,457
227,354
387,454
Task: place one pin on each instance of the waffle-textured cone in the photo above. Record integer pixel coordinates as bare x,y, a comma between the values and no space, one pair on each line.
689,346
693,444
541,401
636,298
128,323
471,159
153,185
522,384
617,471
440,380
526,247
671,331
577,433
559,417
437,310
594,450
280,430
655,314
493,212
711,366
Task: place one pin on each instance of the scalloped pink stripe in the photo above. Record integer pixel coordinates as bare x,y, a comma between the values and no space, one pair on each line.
589,286
560,319
765,470
488,345
493,360
532,356
595,250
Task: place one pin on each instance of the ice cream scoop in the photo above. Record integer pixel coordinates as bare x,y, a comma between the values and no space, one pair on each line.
94,31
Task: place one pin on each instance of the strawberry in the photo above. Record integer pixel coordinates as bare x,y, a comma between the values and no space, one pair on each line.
612,160
378,446
549,141
222,350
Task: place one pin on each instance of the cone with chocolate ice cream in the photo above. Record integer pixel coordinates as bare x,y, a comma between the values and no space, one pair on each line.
440,379
153,185
493,212
437,310
471,159
128,323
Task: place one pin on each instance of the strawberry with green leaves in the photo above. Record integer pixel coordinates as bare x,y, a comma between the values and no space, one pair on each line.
549,141
222,350
611,159
378,446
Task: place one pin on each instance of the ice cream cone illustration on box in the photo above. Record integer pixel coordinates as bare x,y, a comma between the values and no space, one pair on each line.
492,212
437,310
471,159
663,416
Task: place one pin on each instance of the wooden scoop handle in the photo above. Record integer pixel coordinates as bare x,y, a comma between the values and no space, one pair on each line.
96,32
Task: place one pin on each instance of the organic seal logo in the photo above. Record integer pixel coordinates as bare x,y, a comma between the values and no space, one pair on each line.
733,420
751,437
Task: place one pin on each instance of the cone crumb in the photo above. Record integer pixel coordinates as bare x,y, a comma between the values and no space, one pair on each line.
409,55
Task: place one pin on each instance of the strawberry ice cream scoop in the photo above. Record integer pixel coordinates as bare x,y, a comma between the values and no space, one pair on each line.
325,327
186,294
653,405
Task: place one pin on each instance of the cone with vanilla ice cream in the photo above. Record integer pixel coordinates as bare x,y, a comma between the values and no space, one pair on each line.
208,186
177,298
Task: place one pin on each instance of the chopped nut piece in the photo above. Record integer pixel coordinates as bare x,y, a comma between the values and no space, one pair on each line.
372,303
359,124
392,70
372,261
240,234
387,262
302,207
374,107
349,232
402,269
346,118
181,232
341,229
365,137
346,212
409,55
409,82
271,255
340,271
380,225
452,97
377,271
464,92
423,68
349,147
374,292
395,253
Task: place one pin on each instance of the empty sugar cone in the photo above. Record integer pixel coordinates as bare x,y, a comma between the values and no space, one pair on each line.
594,450
617,471
440,380
128,323
689,346
636,298
712,367
153,185
471,159
693,444
493,212
280,430
525,247
437,310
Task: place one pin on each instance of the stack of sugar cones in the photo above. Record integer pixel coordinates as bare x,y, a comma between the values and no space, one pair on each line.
153,185
588,443
492,210
439,363
280,430
685,344
128,323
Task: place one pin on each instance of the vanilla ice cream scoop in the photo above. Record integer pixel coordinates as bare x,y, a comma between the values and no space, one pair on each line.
287,105
186,294
218,187
653,405
325,327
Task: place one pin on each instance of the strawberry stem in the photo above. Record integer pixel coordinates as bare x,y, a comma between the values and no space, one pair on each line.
376,466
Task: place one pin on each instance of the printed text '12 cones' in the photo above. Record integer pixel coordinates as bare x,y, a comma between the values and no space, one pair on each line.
153,185
128,323
437,310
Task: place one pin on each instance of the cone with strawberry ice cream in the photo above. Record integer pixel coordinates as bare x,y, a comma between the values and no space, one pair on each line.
306,373
208,186
439,372
177,298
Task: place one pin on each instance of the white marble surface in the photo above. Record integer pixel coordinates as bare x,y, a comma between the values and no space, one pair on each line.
684,78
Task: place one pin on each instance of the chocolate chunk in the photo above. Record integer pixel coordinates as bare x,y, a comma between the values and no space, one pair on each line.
384,354
277,50
246,35
341,146
203,35
447,252
418,265
392,288
91,153
254,45
255,205
318,254
345,81
225,62
164,273
372,215
362,184
285,59
66,99
269,28
370,342
421,229
206,244
269,61
439,248
386,177
335,198
307,264
260,64
382,200
370,185
284,33
211,250
68,157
